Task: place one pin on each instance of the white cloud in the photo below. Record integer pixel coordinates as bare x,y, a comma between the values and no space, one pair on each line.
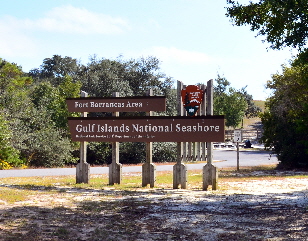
179,56
77,20
21,37
14,43
69,19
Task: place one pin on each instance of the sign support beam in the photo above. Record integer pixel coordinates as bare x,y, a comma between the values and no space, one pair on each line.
115,168
148,168
180,169
83,168
210,172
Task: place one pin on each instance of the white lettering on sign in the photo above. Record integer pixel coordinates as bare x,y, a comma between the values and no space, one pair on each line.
93,104
85,128
194,94
81,105
107,105
145,128
196,128
133,104
108,128
150,128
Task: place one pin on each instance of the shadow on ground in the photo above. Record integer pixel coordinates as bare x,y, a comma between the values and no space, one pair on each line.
156,214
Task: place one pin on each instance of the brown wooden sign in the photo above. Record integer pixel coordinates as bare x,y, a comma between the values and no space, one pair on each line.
148,129
117,104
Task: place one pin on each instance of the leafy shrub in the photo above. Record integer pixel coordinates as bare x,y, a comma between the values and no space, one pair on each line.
9,156
164,152
99,153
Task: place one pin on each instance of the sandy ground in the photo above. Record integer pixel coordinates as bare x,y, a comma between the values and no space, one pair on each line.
263,209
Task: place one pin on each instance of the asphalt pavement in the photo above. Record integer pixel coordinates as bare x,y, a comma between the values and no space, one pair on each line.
222,158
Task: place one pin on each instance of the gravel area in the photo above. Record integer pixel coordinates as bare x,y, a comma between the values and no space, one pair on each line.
259,209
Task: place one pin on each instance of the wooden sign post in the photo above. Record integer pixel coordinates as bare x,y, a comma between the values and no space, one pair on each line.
148,168
180,169
115,168
210,172
83,168
195,99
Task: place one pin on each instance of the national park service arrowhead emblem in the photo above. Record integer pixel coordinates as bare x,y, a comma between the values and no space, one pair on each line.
192,98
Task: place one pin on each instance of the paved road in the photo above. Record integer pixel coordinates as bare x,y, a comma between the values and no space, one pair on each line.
222,158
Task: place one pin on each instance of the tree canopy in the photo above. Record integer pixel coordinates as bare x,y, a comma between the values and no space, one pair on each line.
234,104
282,22
286,118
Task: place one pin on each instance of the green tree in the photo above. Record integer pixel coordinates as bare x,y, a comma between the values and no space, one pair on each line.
55,69
13,96
38,139
283,23
100,78
52,98
47,139
9,156
36,115
12,85
285,121
229,102
252,110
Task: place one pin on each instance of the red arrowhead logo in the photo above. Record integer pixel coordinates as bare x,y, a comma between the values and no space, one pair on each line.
192,98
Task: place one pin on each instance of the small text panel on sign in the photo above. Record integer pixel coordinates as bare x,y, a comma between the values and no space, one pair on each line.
237,136
117,104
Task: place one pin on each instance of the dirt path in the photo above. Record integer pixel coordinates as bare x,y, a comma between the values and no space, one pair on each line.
260,209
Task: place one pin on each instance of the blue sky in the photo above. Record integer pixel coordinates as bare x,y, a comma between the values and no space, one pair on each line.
193,39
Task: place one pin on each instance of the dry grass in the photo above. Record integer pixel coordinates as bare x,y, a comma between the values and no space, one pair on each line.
256,203
20,189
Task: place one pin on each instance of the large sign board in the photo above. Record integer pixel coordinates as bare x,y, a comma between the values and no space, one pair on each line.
117,104
148,129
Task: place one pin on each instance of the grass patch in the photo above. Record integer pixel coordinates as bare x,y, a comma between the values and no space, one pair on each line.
20,188
10,195
129,182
